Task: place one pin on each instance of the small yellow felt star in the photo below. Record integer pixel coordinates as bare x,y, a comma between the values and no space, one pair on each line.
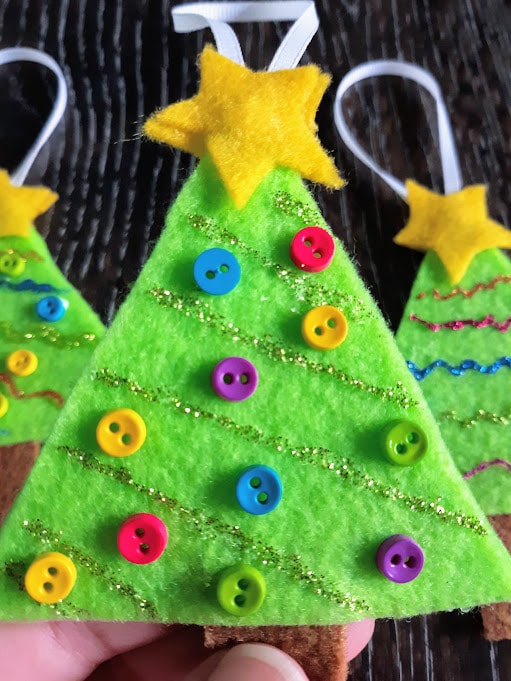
456,226
250,123
19,206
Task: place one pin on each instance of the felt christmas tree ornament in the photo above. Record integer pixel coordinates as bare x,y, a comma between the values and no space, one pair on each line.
454,332
247,449
47,331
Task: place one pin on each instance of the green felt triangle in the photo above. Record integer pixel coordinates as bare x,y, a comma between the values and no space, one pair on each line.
473,409
316,418
62,347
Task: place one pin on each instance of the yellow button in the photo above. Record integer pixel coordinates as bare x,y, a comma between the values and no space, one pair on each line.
4,405
50,578
324,328
121,432
22,362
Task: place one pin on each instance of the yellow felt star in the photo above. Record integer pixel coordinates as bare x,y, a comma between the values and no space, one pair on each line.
19,206
456,226
250,122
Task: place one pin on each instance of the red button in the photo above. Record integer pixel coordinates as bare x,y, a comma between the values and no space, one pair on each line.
312,249
142,538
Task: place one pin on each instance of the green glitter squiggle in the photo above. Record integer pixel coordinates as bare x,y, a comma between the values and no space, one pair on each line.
199,310
210,528
47,334
479,417
322,457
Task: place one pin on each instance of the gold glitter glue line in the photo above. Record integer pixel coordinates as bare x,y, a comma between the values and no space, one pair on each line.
321,457
199,310
481,416
96,569
53,395
25,255
305,287
468,293
16,569
48,335
211,528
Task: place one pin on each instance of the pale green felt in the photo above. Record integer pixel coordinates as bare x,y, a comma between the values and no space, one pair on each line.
60,361
466,395
319,545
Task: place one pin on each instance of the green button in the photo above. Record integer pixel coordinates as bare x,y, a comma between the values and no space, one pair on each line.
405,443
11,264
241,590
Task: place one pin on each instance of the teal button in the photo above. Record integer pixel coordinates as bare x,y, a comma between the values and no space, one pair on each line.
241,590
405,443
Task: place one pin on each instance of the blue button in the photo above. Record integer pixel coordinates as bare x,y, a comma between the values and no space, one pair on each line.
217,271
51,308
259,490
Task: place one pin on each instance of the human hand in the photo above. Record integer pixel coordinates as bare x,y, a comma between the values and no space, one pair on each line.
101,651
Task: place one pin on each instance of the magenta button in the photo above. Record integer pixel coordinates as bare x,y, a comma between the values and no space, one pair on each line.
312,249
400,559
234,379
142,538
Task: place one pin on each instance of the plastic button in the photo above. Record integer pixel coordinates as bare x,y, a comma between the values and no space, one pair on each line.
234,379
241,590
312,249
22,362
405,443
217,271
121,432
400,559
51,308
4,405
142,538
259,490
12,265
324,327
50,578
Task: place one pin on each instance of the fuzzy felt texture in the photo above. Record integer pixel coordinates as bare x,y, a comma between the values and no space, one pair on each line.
250,123
19,206
16,462
62,347
456,226
473,410
320,651
316,418
497,618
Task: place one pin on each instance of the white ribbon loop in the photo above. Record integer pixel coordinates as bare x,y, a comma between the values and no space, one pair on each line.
218,15
453,181
27,54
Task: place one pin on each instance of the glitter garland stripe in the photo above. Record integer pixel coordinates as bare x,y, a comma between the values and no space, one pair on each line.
458,324
468,293
481,416
305,287
320,457
485,465
459,369
24,255
47,334
292,207
210,528
94,567
29,285
52,395
199,310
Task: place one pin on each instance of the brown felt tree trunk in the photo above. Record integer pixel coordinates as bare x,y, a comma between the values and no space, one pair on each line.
497,617
16,462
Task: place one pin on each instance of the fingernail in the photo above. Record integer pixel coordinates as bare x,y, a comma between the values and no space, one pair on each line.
257,662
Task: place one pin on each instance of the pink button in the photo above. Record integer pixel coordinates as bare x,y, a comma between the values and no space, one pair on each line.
234,379
142,538
312,249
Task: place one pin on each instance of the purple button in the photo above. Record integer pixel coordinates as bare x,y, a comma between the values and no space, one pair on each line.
234,379
400,559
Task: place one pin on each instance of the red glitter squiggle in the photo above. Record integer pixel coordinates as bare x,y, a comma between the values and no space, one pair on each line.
53,395
484,465
457,324
468,293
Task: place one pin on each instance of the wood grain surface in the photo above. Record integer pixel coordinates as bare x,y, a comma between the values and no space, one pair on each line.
122,60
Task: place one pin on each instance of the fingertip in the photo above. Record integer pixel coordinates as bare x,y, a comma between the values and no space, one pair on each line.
358,636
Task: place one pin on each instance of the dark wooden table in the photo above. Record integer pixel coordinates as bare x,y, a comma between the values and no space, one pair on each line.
122,60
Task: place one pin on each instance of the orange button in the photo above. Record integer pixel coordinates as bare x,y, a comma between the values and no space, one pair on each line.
22,362
50,578
324,327
121,432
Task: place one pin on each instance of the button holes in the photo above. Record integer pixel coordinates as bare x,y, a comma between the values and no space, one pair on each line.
243,378
224,268
262,497
52,571
396,559
331,323
114,427
318,331
210,274
401,448
126,439
255,482
243,584
317,254
410,562
307,243
412,438
140,531
240,600
144,548
228,379
48,586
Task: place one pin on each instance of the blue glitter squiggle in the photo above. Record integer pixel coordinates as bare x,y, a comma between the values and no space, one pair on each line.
29,285
459,369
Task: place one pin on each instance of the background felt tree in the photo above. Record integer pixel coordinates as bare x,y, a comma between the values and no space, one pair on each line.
455,336
343,495
47,334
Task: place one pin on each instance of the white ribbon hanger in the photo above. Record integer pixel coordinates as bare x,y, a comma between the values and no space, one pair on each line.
27,54
453,181
217,16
